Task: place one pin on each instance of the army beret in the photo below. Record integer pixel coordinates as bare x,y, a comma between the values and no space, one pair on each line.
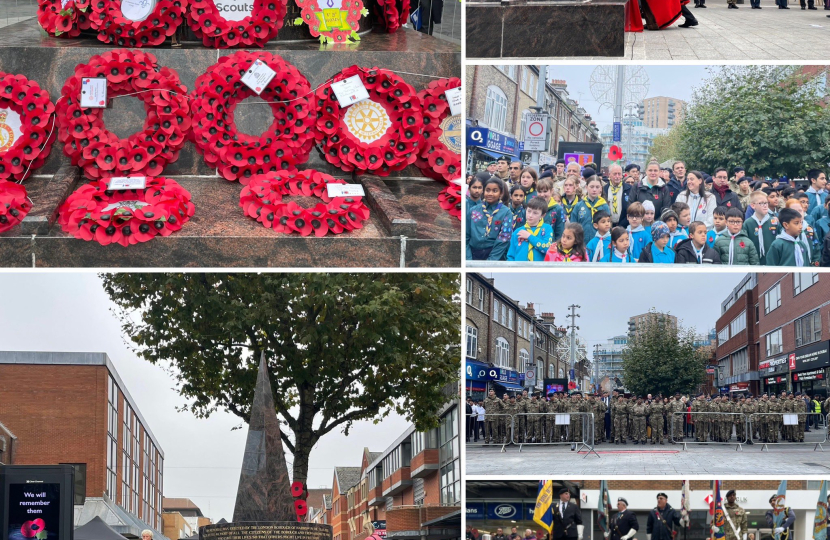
563,491
588,172
730,492
558,161
622,500
661,494
738,169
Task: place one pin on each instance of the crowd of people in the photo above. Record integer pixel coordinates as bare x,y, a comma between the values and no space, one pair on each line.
573,214
642,419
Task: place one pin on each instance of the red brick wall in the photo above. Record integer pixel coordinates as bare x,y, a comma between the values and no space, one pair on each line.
432,487
403,519
59,415
428,456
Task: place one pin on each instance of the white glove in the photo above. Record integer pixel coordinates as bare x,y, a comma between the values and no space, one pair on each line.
580,530
630,534
778,530
648,537
744,536
607,534
715,529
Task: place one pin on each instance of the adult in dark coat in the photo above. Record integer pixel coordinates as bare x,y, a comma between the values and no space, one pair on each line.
684,253
720,189
662,519
567,518
652,188
615,178
624,524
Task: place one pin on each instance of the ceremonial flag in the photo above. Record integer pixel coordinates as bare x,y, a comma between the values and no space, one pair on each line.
604,507
718,519
778,513
543,513
820,525
685,503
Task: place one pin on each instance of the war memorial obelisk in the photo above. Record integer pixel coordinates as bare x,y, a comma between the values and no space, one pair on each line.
264,507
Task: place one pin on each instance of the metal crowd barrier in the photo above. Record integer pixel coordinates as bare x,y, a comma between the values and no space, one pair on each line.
509,435
586,420
766,415
739,447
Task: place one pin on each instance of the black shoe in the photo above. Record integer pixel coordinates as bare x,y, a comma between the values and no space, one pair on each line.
573,447
688,24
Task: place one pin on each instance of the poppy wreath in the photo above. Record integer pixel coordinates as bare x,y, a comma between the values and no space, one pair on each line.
26,99
321,24
261,26
126,217
262,200
438,160
113,27
390,14
61,20
14,204
284,145
392,102
450,199
98,151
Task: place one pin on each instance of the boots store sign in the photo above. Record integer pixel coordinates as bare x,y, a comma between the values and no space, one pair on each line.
514,511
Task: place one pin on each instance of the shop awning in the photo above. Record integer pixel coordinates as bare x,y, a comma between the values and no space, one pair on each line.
509,386
494,155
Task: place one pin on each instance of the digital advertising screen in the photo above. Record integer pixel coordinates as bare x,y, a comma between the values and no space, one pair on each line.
555,385
34,511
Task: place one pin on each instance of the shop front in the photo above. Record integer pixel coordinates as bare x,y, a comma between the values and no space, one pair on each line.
775,374
481,378
739,388
485,145
506,381
810,373
489,516
475,383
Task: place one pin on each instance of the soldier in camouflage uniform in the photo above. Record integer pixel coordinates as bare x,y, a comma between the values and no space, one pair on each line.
511,408
699,406
677,406
739,420
552,432
774,419
534,421
736,521
521,421
620,420
655,417
638,416
786,408
762,408
575,407
801,409
492,406
598,408
544,435
728,421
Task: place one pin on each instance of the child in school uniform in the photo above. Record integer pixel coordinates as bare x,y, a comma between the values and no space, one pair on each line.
517,206
619,252
695,250
676,234
761,227
601,242
718,226
593,202
528,181
532,240
734,247
489,225
788,249
638,235
555,216
658,250
569,248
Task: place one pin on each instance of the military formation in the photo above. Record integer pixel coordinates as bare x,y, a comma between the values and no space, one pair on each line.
646,419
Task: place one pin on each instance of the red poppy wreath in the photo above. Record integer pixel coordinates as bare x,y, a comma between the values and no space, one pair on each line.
64,18
14,204
440,157
98,151
450,199
381,134
25,113
391,15
93,212
333,21
284,145
137,23
262,200
233,29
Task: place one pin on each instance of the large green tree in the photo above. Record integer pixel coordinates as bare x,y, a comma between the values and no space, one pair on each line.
770,119
661,359
340,347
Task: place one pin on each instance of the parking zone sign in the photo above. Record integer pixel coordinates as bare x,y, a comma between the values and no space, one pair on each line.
536,131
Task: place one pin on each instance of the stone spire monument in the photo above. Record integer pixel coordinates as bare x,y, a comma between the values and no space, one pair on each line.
264,507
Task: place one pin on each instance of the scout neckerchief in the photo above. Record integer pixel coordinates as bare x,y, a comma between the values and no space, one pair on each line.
623,257
732,246
594,207
532,233
805,227
799,256
614,192
761,249
631,232
698,252
566,253
732,525
569,207
489,217
598,253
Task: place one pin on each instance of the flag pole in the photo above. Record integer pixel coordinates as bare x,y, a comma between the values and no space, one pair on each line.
714,509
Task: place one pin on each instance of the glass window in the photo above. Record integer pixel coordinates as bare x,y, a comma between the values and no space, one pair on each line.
502,353
510,319
808,328
469,291
481,299
472,341
80,482
448,456
503,319
738,324
723,335
112,439
551,371
524,359
774,345
496,308
772,298
495,109
802,281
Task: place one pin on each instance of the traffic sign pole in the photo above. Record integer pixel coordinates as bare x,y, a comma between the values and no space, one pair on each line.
540,107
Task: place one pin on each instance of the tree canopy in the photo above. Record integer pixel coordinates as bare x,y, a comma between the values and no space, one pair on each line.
340,347
661,359
770,119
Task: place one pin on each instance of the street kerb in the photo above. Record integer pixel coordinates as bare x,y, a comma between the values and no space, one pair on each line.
818,444
739,443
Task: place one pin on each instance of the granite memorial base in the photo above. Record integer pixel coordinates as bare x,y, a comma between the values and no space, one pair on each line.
545,28
407,226
263,530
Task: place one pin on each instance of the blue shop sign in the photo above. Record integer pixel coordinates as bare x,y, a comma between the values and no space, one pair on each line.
475,510
504,510
529,510
476,371
504,375
490,140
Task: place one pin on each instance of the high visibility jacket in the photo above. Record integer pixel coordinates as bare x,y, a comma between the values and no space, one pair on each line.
816,407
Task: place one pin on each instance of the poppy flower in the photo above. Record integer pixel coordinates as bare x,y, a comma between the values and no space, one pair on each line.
114,28
615,153
297,489
263,25
450,199
32,144
301,508
31,528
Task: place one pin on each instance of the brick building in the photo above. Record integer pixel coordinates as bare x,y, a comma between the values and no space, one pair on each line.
80,400
661,112
410,490
181,517
788,330
499,348
506,504
7,442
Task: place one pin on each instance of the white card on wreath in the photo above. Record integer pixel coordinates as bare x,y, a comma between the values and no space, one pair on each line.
258,76
94,92
345,190
127,182
454,100
350,91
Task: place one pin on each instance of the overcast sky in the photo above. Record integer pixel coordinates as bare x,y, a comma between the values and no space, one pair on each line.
608,300
670,81
71,312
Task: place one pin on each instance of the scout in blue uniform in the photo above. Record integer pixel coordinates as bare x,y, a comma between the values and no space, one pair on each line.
787,249
489,225
816,193
532,240
719,224
619,252
517,206
638,236
601,242
585,209
761,227
658,250
555,216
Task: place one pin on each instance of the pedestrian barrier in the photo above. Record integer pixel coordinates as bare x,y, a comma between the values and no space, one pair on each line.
504,431
771,421
560,421
711,422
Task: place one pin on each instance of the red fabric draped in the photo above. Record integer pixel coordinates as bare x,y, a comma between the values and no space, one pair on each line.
633,19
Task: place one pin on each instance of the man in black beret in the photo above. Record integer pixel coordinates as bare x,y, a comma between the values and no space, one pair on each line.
567,518
624,524
662,519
